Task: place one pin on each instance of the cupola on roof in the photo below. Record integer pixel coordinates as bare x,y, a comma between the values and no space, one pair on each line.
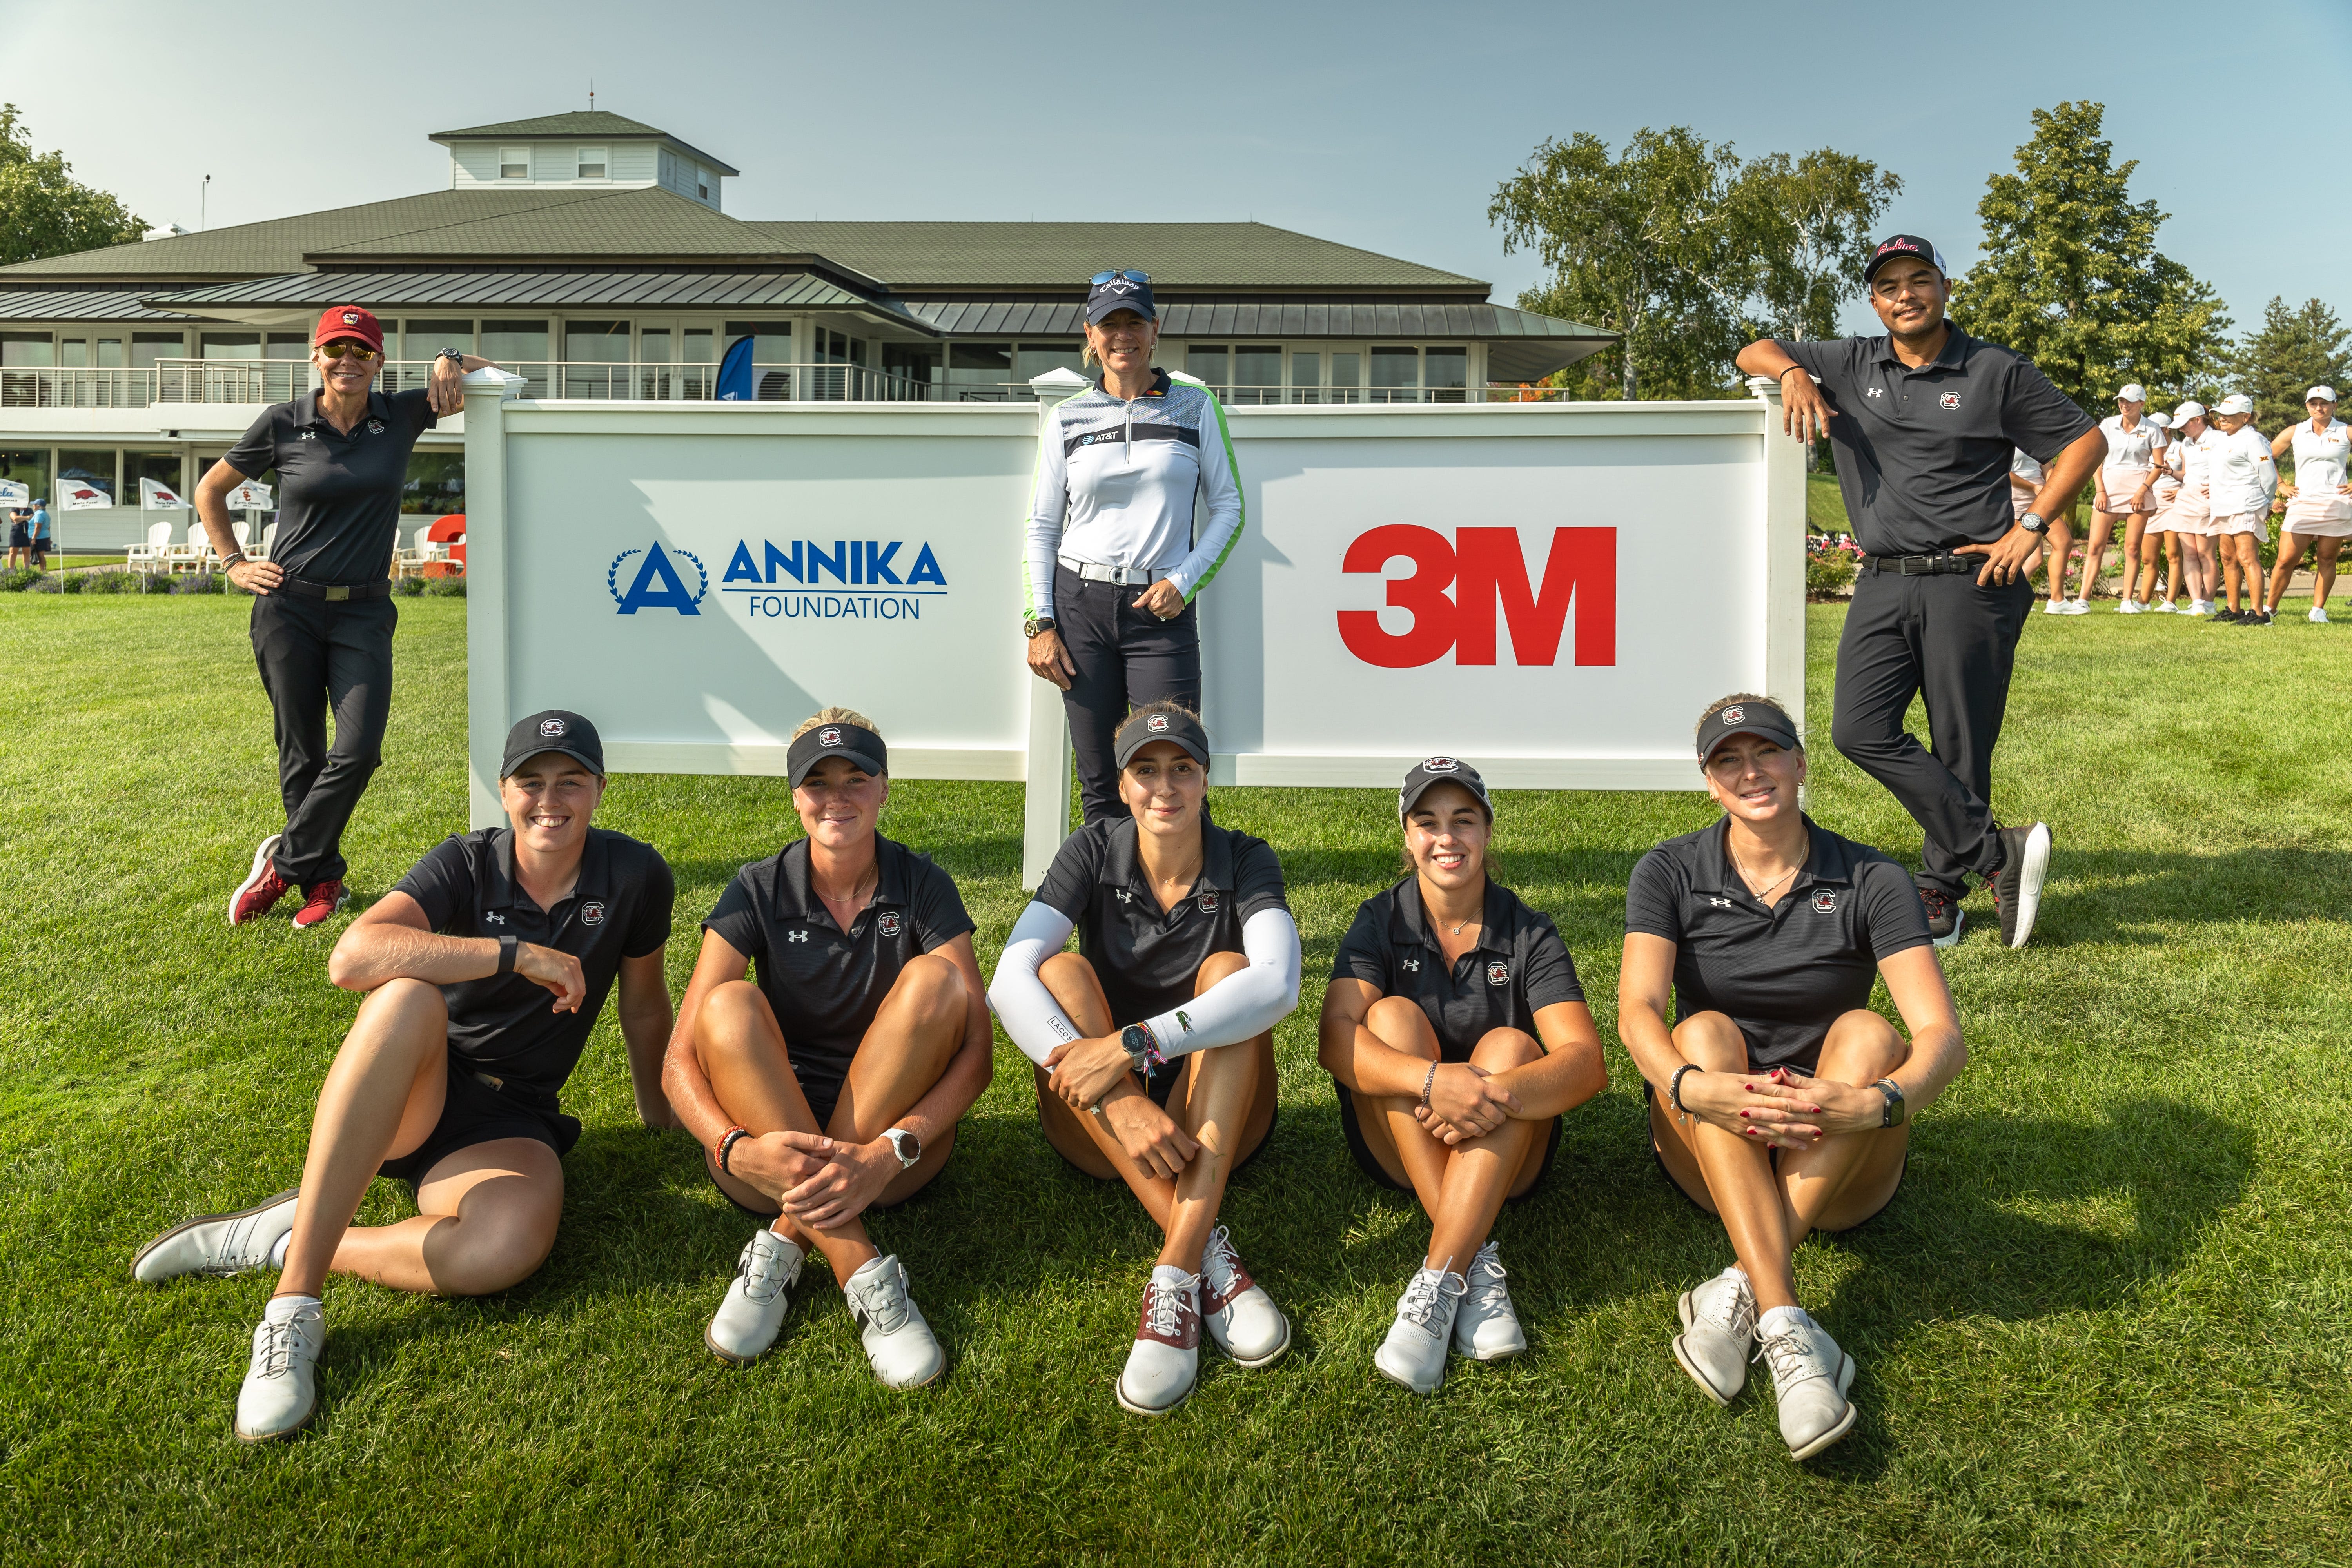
589,148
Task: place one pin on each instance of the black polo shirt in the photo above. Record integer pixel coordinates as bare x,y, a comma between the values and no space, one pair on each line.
338,495
1520,964
1149,961
1922,455
1783,973
826,984
620,907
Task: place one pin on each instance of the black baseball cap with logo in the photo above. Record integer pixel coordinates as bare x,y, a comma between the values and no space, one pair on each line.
1757,718
554,729
1141,729
1122,289
860,745
1896,246
1431,772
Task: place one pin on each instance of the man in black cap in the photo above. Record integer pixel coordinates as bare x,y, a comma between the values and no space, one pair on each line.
1925,421
449,1078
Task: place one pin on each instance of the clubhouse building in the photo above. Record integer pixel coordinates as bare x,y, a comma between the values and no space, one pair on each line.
593,255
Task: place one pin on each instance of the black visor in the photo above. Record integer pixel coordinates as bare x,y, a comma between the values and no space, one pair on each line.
1141,729
863,747
1746,719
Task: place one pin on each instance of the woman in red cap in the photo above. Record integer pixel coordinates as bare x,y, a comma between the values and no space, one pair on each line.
323,615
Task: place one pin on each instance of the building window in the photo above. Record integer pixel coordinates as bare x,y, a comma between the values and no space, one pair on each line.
146,348
977,373
1257,373
517,346
1446,371
1396,372
1347,377
592,164
514,162
1206,362
1032,360
702,182
229,345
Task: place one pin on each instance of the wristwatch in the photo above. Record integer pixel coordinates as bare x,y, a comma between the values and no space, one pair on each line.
1036,625
905,1145
457,355
1893,1093
2033,523
1141,1049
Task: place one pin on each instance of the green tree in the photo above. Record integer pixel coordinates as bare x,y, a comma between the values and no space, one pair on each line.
44,211
2291,352
1645,245
1811,220
2071,277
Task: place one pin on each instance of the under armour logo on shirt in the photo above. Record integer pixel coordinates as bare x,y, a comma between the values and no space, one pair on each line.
796,936
1876,392
1719,903
1412,963
1124,897
496,918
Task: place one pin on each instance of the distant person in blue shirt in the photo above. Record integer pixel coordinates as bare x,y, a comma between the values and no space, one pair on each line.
40,535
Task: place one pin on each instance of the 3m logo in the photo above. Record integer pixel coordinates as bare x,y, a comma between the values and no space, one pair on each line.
1487,568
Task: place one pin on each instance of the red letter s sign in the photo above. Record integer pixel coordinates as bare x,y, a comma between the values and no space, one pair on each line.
1579,572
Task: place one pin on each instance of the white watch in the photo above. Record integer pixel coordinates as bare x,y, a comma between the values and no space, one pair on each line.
905,1145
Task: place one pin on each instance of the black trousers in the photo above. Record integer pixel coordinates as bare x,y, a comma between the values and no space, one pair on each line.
1126,657
316,654
1955,643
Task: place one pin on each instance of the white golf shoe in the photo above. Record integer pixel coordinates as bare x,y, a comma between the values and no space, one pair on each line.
2131,607
2318,616
281,1384
2164,607
1414,1353
1810,1377
1485,1328
2074,607
1718,1335
217,1242
753,1311
899,1344
1165,1361
1241,1317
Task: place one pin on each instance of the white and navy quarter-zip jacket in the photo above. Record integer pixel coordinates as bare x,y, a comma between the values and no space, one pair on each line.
1117,482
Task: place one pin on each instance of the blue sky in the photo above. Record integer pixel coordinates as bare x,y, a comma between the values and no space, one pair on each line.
1383,125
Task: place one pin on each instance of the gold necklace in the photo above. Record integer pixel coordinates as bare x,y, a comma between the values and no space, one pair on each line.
1747,875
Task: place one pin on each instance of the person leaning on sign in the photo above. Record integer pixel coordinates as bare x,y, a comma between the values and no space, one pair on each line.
1925,419
323,617
1154,1042
1456,1036
831,1087
450,1076
1778,1098
1112,566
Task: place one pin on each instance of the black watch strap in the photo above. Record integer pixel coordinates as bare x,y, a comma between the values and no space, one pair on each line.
507,946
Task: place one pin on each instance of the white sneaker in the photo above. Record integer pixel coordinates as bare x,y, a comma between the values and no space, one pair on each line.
1414,1352
1485,1326
1165,1361
2049,607
1242,1318
1810,1377
281,1384
753,1311
899,1344
2200,607
1718,1335
2165,607
2074,607
217,1242
2318,616
2131,607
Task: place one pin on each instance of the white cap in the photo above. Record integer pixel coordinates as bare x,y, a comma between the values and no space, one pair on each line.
2236,402
2160,421
2323,392
2133,392
2187,411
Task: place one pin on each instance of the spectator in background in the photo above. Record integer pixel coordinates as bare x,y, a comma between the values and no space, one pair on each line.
40,534
19,541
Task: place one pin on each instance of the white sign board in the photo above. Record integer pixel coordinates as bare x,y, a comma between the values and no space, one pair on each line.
1550,591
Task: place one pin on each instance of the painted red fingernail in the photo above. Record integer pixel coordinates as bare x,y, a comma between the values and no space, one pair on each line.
1743,1113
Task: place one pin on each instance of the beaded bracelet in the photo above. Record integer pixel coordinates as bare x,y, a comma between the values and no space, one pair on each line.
727,1141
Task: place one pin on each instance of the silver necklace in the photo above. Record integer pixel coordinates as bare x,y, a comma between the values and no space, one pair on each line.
1747,875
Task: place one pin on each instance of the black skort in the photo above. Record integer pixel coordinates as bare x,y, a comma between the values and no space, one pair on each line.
478,1109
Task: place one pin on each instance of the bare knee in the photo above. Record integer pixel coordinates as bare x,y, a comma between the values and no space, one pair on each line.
1501,1049
1712,1042
1402,1026
934,987
406,1005
1216,967
733,1015
1070,980
500,1238
1862,1047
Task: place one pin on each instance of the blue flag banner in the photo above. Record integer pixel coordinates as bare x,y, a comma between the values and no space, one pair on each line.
735,373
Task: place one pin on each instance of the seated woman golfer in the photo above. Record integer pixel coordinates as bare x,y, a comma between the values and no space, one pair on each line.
1777,1099
1456,1034
449,1078
1154,1042
833,1085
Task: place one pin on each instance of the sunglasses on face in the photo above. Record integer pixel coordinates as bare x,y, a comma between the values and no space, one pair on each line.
1127,272
359,351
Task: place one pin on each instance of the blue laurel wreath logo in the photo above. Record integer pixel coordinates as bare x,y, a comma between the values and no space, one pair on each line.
657,584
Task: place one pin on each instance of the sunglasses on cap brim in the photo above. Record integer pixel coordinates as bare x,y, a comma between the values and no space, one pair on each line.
1128,273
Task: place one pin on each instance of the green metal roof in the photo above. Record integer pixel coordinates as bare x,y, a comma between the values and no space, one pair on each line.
1060,256
595,122
296,295
644,222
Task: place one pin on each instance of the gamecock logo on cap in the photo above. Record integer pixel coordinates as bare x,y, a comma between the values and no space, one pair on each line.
828,736
1157,724
1735,714
1440,765
551,728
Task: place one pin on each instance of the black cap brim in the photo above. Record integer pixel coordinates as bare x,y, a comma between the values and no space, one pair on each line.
1410,796
862,748
1179,731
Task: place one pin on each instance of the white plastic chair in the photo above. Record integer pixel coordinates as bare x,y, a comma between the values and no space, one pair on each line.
260,552
413,558
192,553
148,556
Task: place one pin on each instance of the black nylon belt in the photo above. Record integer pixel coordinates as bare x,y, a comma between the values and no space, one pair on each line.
1947,565
379,589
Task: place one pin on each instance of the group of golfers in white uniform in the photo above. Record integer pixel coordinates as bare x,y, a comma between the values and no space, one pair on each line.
837,1025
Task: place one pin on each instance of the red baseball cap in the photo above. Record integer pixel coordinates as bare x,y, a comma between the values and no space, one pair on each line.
349,321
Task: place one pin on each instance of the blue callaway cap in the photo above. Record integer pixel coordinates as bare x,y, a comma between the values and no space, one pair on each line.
1127,289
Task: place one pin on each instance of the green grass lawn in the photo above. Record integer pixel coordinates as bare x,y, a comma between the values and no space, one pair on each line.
2105,1318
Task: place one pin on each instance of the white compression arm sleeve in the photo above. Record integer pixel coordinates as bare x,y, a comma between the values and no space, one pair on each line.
1246,1003
1023,1006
